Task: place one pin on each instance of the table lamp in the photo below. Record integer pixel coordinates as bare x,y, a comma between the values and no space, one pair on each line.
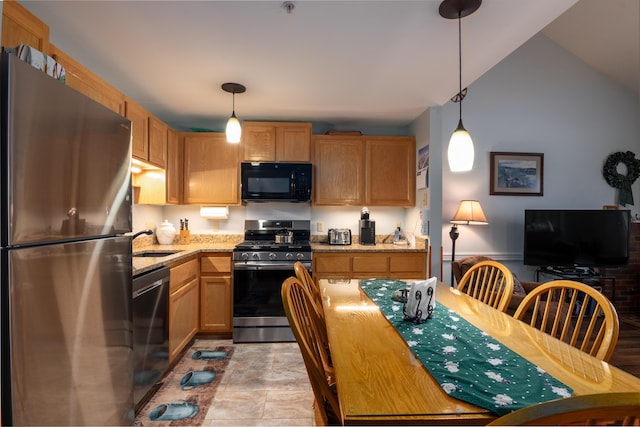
470,213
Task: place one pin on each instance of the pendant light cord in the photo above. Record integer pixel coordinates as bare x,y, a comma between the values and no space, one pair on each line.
460,60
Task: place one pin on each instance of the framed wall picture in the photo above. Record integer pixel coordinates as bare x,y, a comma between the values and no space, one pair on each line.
516,174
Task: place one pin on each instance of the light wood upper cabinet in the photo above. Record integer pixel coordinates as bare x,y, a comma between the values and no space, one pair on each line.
276,141
338,170
364,171
139,129
85,81
211,169
158,133
21,26
390,171
174,173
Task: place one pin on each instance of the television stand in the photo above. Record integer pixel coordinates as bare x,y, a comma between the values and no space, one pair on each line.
586,275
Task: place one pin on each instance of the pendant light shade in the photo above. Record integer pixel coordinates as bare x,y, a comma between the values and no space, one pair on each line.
233,129
460,153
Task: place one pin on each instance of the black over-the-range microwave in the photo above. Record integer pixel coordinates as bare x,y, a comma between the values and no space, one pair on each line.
275,182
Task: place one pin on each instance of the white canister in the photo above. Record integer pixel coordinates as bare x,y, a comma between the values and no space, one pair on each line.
165,233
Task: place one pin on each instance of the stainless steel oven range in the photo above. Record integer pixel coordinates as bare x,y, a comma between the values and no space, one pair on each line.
260,264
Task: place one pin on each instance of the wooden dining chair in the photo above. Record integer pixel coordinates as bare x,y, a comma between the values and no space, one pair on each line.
310,285
489,282
307,328
620,409
575,313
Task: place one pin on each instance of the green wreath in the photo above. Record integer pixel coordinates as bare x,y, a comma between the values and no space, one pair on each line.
618,180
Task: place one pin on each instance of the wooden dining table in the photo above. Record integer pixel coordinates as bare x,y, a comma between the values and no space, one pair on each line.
380,381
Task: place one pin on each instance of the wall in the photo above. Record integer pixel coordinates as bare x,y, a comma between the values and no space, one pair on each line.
539,99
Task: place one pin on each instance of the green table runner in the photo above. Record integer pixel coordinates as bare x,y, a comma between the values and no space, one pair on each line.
468,363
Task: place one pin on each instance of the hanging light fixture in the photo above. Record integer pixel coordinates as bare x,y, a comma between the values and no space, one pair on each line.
233,130
460,152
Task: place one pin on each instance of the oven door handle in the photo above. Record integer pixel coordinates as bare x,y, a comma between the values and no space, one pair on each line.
267,266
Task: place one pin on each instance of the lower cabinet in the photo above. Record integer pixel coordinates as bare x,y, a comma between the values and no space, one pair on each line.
183,305
216,296
365,265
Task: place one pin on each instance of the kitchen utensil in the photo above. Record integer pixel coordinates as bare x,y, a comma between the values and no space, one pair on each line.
284,236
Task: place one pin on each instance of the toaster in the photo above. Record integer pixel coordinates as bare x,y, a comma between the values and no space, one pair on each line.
339,236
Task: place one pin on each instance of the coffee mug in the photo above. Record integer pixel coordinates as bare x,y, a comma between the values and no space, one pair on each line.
194,379
176,410
207,354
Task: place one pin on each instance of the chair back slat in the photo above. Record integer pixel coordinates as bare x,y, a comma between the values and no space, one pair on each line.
489,282
307,327
574,313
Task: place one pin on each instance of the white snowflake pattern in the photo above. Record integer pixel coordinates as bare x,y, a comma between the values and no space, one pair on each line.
494,376
561,391
449,388
502,400
412,343
379,294
384,288
454,318
541,371
448,336
454,327
417,331
484,334
395,307
449,349
492,346
495,361
451,366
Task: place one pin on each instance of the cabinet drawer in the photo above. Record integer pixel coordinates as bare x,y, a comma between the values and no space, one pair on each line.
370,263
183,273
332,264
214,264
407,263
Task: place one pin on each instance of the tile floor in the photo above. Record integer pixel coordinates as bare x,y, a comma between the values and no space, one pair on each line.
264,385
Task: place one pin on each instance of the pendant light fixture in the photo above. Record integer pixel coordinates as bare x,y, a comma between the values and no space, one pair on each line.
460,152
233,130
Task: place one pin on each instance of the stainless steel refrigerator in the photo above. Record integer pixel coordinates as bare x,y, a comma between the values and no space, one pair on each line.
65,314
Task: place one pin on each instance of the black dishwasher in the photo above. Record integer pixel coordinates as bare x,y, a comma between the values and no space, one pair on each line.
150,332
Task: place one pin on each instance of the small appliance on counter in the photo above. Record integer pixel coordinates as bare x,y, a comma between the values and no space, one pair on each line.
367,228
339,236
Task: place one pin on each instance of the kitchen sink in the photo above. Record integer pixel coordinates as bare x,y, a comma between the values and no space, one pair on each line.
154,254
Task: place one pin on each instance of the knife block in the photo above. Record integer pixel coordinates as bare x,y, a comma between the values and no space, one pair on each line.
185,237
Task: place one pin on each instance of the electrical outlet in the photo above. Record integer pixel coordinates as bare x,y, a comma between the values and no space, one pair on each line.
320,226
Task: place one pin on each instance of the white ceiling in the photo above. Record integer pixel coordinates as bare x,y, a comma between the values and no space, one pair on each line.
346,63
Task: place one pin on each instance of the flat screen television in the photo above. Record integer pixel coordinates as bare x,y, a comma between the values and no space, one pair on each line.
576,238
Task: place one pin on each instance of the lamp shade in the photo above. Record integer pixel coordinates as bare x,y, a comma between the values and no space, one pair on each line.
233,130
460,152
469,212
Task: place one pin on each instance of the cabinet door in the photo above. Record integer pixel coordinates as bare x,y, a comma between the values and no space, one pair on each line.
85,81
390,171
183,317
157,142
211,169
258,142
370,265
173,171
21,26
293,142
215,303
139,129
338,171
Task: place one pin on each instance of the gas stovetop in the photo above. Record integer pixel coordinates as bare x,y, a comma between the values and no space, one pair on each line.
272,246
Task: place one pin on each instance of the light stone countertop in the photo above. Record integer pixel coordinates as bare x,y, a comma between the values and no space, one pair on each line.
226,243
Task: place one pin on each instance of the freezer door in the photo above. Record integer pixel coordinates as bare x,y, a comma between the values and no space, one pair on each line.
68,159
70,335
